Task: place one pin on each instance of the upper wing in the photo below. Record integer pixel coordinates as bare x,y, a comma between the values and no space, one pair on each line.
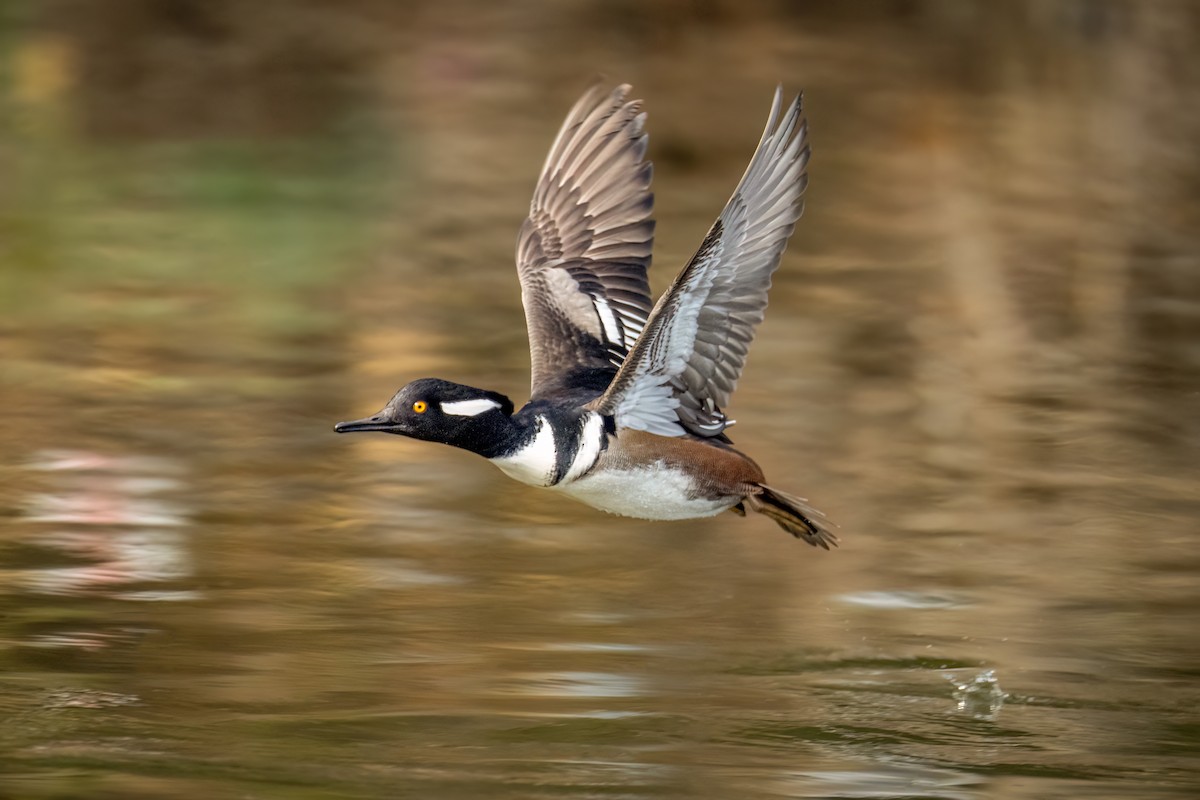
582,253
687,362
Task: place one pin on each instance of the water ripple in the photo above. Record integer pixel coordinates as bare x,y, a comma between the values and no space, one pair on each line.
904,600
573,685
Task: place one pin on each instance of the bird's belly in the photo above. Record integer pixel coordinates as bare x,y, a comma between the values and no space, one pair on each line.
654,492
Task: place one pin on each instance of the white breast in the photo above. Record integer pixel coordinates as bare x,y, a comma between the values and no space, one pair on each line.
655,491
537,461
652,492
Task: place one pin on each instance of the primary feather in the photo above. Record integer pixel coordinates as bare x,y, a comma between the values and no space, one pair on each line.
583,251
687,362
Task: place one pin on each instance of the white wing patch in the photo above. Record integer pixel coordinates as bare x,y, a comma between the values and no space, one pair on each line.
469,408
612,329
633,329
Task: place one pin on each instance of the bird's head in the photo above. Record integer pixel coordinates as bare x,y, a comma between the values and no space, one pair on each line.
435,410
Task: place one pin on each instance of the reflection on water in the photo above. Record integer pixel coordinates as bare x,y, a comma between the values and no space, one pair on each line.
896,780
582,685
110,513
224,234
898,600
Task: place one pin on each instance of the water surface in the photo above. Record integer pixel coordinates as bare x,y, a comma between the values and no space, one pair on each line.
980,360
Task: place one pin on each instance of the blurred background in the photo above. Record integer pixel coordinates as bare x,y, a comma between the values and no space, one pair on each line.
226,225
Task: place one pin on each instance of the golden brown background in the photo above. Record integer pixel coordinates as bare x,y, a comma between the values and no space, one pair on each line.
226,225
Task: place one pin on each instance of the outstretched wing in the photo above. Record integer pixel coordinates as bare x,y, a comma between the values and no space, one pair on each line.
582,253
687,362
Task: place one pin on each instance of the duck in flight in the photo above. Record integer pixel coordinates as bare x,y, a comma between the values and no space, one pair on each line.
625,407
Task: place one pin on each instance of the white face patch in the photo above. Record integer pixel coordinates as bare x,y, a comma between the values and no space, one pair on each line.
469,408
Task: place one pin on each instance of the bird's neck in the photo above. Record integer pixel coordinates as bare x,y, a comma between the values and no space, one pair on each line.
553,445
492,434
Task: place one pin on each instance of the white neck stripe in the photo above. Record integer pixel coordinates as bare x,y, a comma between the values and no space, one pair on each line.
536,460
591,442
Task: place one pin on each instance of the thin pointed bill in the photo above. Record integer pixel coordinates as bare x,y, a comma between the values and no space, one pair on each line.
377,422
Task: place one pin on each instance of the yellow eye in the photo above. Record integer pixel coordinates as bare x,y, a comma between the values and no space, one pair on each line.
420,407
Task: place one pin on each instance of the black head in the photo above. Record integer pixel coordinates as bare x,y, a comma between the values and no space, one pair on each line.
440,411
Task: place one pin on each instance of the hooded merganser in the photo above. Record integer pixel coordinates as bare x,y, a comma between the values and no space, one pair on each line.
625,408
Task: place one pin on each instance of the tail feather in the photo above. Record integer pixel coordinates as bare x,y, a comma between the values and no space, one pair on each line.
794,515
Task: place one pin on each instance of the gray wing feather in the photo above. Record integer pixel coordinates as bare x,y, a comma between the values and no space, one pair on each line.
583,252
687,363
